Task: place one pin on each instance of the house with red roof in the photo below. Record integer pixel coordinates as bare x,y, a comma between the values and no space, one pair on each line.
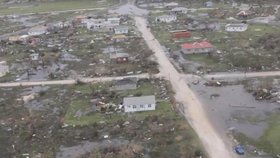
197,48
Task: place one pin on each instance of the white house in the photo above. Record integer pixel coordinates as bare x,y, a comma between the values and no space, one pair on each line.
97,24
4,68
143,103
121,30
94,24
37,30
114,21
166,18
236,27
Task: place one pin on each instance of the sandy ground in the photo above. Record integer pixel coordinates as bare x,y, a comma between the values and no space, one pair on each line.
212,141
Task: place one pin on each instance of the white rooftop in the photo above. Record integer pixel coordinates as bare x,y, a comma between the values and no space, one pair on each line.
143,100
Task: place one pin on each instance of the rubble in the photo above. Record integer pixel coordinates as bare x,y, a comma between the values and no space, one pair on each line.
263,94
215,83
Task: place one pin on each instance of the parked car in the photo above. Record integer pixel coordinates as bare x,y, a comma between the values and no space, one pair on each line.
239,149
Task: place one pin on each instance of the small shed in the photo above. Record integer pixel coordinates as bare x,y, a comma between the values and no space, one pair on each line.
14,39
180,34
34,56
119,57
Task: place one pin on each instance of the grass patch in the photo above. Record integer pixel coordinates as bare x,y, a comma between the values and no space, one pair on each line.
229,43
209,62
84,89
272,134
206,59
144,88
7,78
162,108
82,105
270,141
60,5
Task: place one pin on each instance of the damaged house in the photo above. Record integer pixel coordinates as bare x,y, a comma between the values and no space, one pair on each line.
37,30
124,84
119,38
98,24
166,18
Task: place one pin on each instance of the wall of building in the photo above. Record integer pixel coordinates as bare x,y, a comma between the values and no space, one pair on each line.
135,108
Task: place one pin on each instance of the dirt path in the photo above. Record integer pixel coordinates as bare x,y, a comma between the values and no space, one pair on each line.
61,11
195,113
243,75
69,81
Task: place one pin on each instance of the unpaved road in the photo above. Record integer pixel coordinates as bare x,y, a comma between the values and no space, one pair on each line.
240,75
69,81
212,141
54,12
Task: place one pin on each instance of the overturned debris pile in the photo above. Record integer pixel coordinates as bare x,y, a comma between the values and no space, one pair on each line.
265,94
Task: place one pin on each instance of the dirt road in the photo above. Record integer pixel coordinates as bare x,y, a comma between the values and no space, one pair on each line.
195,113
69,81
241,75
54,12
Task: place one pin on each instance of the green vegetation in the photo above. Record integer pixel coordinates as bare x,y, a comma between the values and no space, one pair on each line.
237,50
272,134
163,108
157,133
144,88
81,106
270,141
226,40
201,58
7,26
77,112
60,5
7,78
